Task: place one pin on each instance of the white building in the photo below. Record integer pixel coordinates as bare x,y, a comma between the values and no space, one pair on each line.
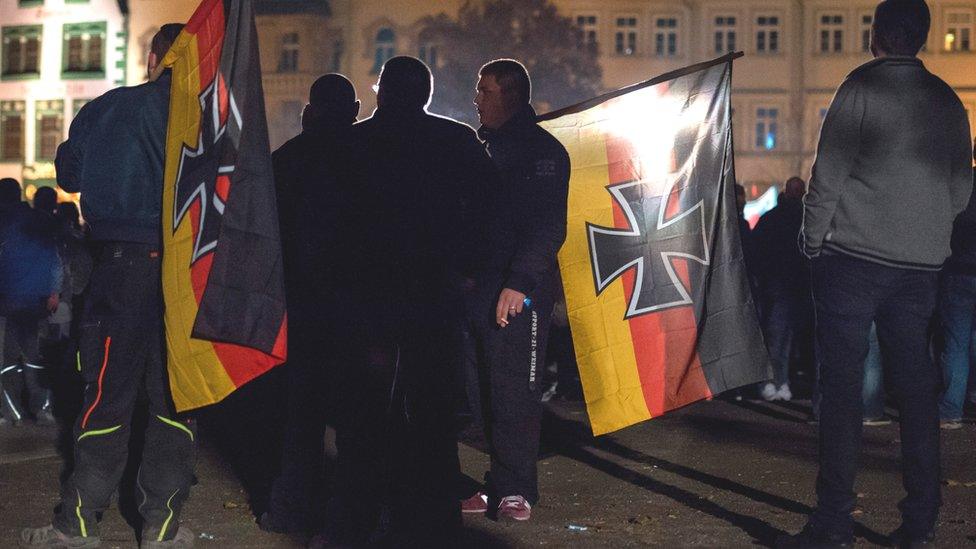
55,55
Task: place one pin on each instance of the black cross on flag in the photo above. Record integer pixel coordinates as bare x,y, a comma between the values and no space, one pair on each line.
649,245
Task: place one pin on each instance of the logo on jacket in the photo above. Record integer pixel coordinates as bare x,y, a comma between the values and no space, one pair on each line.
204,172
649,245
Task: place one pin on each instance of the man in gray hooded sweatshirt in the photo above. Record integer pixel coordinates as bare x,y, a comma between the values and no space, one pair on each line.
892,172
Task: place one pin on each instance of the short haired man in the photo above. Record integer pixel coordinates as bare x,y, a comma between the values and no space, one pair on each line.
114,157
406,229
511,312
307,173
893,169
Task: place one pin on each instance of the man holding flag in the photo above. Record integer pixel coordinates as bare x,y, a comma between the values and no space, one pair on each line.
114,156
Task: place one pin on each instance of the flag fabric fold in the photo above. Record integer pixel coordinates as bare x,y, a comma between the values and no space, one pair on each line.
222,268
656,289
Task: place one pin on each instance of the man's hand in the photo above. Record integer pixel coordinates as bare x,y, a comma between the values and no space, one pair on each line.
510,303
52,303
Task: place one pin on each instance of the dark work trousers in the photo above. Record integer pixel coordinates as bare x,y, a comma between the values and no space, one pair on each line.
396,469
22,365
511,369
849,294
122,352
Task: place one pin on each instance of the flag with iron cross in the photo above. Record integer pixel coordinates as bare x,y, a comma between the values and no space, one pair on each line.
656,289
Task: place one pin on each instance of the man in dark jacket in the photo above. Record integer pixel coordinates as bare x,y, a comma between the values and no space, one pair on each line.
408,226
306,172
893,169
958,314
784,285
30,279
511,309
114,157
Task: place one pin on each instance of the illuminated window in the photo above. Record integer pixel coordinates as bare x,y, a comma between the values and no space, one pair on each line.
22,51
288,59
83,54
625,40
767,34
725,33
384,48
767,128
12,130
588,31
831,33
49,129
959,30
866,21
666,36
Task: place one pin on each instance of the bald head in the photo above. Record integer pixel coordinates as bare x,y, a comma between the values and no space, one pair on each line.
332,98
405,82
794,188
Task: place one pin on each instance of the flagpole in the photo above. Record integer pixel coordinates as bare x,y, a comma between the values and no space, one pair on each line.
590,103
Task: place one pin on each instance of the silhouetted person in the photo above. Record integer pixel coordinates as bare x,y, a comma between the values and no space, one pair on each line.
784,276
408,229
893,168
306,171
114,157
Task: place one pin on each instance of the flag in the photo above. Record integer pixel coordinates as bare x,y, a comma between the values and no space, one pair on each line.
222,269
656,289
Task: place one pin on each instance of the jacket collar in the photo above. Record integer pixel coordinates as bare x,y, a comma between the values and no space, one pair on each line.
524,118
891,60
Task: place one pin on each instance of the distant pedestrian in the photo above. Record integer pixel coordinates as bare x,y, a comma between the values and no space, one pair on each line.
892,171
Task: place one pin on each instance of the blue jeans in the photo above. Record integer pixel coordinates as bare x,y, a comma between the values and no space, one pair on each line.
958,308
849,294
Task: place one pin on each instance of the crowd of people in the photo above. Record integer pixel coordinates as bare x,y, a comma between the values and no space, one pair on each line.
421,280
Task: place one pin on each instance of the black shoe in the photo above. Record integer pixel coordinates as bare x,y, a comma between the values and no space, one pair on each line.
900,538
814,537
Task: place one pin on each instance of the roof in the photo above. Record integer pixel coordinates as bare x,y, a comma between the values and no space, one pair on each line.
279,7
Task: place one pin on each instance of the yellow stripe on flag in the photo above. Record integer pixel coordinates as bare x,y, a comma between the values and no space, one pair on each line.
604,347
196,375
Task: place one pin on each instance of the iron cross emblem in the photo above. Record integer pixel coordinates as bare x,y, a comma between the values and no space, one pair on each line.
649,245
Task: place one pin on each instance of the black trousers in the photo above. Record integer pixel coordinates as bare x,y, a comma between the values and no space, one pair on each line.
122,353
394,387
848,295
21,366
511,364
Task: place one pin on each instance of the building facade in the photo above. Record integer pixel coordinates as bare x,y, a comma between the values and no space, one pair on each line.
55,55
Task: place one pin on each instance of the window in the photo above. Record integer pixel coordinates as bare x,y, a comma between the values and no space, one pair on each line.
288,62
338,49
588,31
428,50
625,40
83,53
831,33
384,48
49,129
959,30
767,34
29,3
766,128
666,36
725,33
22,51
12,130
866,21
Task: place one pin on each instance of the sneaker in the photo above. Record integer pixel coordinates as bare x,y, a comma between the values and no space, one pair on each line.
814,537
477,503
784,392
182,540
514,508
899,538
950,424
876,421
50,537
769,392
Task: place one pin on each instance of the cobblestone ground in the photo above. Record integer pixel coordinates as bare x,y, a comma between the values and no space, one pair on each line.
716,474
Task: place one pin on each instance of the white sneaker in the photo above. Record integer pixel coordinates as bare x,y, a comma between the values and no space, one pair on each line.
769,392
784,392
